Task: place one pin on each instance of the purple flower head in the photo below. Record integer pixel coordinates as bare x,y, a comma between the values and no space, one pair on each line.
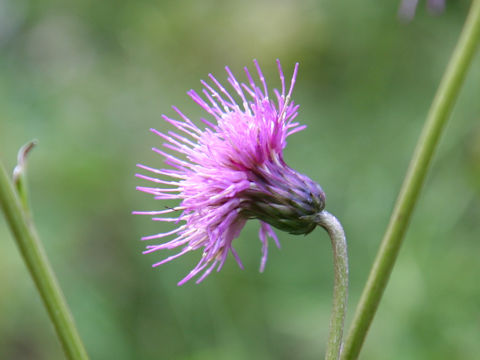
408,8
230,171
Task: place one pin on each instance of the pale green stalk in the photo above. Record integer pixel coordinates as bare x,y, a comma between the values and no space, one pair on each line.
439,112
340,286
36,260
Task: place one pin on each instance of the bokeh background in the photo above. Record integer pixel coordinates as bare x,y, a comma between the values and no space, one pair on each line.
89,78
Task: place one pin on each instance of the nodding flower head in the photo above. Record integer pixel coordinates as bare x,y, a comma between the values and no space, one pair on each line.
231,170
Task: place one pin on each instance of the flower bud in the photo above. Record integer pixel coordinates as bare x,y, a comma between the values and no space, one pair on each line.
287,200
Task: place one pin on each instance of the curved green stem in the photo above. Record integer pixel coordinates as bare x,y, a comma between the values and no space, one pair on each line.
440,110
340,287
40,269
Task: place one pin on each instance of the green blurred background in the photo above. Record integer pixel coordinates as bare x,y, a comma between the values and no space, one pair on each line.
89,78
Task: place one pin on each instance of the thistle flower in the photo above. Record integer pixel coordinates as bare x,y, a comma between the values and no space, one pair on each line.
230,171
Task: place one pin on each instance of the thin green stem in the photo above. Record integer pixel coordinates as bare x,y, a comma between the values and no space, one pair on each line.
36,260
340,287
439,112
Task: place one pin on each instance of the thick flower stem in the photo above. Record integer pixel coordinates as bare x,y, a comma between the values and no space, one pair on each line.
440,110
340,288
40,269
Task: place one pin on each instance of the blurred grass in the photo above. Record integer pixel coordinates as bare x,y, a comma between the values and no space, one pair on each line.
89,78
